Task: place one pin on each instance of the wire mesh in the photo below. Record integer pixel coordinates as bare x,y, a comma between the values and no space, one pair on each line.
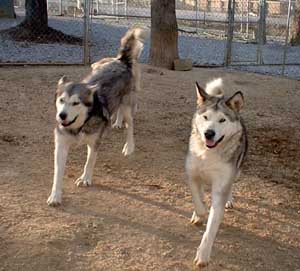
261,34
53,34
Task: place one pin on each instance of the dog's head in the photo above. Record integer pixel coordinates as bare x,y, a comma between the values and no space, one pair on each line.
217,118
73,102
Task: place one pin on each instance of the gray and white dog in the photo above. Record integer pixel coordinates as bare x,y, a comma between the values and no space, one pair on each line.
84,109
218,144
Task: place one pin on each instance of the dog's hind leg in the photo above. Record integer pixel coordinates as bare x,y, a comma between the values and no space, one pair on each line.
86,178
219,198
60,159
200,212
129,145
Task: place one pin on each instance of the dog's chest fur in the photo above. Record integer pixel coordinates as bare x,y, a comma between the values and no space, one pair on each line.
90,133
209,164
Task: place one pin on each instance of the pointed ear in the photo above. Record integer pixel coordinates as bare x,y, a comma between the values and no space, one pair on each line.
62,81
92,88
201,94
236,101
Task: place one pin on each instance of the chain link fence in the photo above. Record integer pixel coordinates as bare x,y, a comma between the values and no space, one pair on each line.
260,39
252,34
40,39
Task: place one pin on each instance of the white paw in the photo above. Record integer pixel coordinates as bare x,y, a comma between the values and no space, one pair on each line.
83,181
195,219
128,148
54,199
202,258
229,204
117,125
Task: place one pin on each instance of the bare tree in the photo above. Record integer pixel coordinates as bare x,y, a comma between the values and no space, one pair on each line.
164,33
295,26
35,27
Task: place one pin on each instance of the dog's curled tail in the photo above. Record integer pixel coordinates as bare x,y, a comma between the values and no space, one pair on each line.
132,45
215,88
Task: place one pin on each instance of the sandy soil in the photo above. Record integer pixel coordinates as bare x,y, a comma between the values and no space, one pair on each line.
135,216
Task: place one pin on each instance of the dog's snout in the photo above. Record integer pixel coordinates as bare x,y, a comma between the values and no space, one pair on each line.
63,115
209,134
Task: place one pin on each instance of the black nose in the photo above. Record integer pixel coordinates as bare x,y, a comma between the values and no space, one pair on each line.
209,134
62,115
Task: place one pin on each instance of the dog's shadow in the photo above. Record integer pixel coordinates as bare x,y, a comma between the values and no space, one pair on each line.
252,248
134,196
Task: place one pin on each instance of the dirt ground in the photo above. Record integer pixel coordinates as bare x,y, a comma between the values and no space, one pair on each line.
135,216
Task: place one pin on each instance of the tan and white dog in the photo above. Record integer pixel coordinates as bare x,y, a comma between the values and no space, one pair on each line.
84,109
218,145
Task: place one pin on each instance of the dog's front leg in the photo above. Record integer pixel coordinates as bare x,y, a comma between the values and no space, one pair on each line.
219,198
86,178
119,120
229,203
198,196
60,159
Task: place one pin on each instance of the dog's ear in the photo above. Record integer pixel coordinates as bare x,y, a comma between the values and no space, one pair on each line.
62,81
236,101
201,94
60,86
92,88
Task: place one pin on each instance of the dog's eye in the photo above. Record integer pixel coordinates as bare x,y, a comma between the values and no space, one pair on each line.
61,100
205,117
75,103
222,120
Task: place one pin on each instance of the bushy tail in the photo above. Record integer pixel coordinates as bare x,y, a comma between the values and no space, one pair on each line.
132,45
215,88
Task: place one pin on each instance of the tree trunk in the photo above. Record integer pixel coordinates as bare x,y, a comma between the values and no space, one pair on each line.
36,16
7,9
295,26
35,27
164,33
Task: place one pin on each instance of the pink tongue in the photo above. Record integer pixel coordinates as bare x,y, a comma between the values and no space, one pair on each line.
210,143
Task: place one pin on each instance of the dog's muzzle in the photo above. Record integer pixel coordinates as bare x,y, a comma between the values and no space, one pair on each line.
66,124
212,144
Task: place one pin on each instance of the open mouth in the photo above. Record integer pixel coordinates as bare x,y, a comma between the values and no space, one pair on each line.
212,144
66,124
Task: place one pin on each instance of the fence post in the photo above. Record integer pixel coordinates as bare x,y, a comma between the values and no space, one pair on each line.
97,6
230,29
286,38
248,19
60,9
197,16
125,8
204,14
242,15
261,30
86,42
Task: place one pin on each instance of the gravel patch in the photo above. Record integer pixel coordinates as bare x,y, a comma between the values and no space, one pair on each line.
105,42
